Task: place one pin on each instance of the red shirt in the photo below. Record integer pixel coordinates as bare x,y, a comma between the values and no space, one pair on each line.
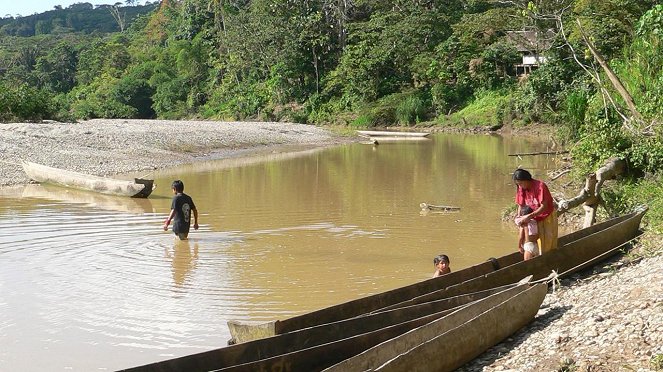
536,195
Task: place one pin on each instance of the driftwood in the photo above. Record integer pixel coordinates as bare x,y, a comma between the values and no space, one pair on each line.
540,153
444,208
560,174
590,195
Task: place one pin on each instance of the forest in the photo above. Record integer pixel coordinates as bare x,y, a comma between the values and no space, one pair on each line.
597,77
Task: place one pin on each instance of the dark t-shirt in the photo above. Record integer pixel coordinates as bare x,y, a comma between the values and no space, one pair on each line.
182,204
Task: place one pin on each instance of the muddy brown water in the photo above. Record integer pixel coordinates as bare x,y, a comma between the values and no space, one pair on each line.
91,282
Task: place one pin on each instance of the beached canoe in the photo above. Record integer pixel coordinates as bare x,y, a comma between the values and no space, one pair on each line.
575,251
319,347
326,355
378,133
449,342
138,188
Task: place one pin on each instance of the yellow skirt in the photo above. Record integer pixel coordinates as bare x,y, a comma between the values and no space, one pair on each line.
548,233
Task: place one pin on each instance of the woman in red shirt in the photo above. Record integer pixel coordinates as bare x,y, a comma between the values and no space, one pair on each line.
535,194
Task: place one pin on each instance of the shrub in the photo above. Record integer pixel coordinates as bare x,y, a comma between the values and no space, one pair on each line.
24,103
411,110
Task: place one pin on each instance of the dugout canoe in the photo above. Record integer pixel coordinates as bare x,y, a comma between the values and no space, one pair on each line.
138,188
379,133
379,325
575,251
449,342
315,348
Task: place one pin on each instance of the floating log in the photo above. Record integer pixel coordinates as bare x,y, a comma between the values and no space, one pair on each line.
444,208
540,153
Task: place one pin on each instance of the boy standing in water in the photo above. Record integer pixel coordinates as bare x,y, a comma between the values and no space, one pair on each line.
181,209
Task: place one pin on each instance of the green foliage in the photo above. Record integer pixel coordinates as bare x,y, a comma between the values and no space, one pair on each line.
411,110
82,17
484,110
406,108
363,121
624,196
651,23
657,362
608,23
18,103
600,140
575,106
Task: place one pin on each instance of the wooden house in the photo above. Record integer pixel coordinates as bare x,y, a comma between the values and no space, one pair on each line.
531,45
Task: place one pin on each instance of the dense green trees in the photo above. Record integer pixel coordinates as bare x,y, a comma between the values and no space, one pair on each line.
362,62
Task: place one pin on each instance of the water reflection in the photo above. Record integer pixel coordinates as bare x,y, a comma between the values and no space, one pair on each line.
184,255
90,283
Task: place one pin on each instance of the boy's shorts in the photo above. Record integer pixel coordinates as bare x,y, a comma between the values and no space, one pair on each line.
182,236
532,248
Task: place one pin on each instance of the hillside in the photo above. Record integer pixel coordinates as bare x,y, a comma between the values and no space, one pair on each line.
80,17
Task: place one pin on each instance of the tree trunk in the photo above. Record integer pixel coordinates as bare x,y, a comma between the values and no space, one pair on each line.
590,195
616,83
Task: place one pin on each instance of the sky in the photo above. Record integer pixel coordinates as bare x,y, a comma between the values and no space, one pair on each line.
29,7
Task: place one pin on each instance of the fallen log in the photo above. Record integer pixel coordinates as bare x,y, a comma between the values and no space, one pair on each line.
445,208
590,195
540,153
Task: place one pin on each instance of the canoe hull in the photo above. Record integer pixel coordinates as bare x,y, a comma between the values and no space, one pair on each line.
138,188
448,343
326,355
378,325
378,133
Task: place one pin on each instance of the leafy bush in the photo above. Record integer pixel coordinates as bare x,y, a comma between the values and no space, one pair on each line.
489,108
575,108
24,103
600,140
622,197
411,110
364,121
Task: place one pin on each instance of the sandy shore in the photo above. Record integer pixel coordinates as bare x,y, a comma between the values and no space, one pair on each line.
108,147
611,320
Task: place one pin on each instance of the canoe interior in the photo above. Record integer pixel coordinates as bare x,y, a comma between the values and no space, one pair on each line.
325,355
380,300
449,350
309,337
391,134
524,299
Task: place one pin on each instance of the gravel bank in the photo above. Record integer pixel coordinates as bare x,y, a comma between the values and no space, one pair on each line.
608,319
108,147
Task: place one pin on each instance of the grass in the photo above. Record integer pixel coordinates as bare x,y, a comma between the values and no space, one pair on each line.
657,362
481,112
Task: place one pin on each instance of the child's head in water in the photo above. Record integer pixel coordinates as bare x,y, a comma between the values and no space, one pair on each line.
441,263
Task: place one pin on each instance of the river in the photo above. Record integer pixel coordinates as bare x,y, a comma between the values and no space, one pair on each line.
90,282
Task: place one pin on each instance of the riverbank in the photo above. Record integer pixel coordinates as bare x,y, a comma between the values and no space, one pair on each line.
609,319
108,147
